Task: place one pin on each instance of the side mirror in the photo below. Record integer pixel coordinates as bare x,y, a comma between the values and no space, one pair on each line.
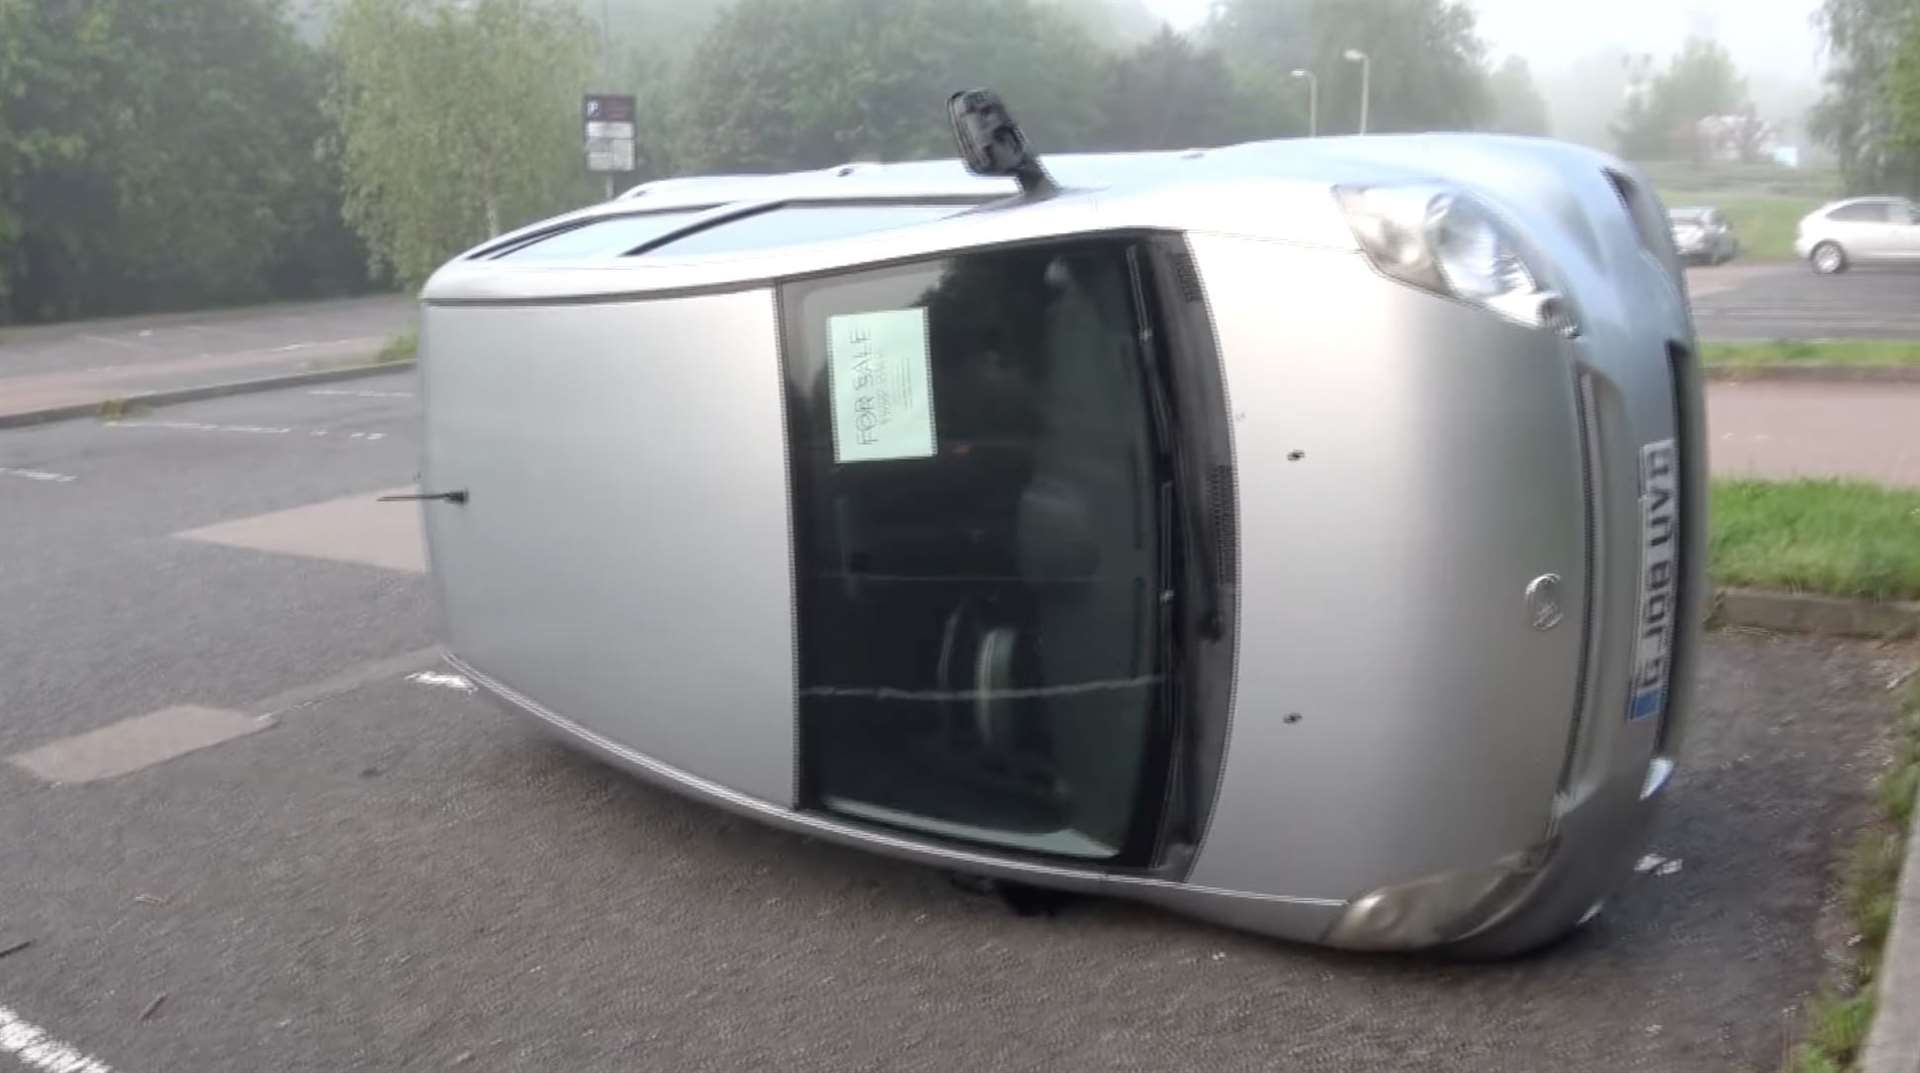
991,142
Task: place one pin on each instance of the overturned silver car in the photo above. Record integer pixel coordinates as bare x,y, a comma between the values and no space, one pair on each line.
1305,536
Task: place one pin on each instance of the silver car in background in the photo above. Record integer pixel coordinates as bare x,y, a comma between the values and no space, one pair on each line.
1306,536
1703,235
1861,230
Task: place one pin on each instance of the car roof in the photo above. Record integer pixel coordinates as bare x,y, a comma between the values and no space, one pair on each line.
1870,199
1566,195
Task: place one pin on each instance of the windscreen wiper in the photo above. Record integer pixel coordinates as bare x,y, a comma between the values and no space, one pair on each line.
1165,420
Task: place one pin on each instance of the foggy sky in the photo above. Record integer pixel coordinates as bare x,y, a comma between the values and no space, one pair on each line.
1575,46
1764,35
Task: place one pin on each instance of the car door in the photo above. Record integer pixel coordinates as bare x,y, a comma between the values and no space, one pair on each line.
1860,229
1903,232
979,526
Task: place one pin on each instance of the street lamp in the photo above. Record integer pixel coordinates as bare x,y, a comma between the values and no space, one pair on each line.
1354,55
1313,101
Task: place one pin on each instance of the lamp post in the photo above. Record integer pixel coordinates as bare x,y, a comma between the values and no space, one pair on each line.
1313,101
1365,61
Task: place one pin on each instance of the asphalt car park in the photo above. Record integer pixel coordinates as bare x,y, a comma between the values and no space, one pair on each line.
374,870
1786,300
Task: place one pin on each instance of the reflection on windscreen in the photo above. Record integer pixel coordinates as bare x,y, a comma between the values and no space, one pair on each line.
793,224
980,649
608,236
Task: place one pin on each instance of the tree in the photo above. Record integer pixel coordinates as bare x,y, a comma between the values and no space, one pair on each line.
1903,95
1115,25
1518,107
1871,112
457,120
1166,94
780,84
1427,69
1661,119
157,155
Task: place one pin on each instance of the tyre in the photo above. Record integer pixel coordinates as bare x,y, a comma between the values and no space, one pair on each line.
1828,258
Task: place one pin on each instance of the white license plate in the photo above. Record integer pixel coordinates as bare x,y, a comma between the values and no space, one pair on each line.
1659,579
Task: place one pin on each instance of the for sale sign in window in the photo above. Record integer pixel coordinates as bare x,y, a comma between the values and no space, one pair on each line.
882,385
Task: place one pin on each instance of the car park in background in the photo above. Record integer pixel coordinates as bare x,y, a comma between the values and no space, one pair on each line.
1703,235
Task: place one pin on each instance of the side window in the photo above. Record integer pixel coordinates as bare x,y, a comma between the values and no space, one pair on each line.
1860,212
978,533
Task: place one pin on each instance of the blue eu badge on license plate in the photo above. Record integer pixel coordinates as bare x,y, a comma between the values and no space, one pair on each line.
1659,579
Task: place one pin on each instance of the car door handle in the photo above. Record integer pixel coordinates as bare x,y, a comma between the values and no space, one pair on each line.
458,495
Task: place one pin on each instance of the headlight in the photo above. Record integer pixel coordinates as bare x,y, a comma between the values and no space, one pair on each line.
1440,908
1445,242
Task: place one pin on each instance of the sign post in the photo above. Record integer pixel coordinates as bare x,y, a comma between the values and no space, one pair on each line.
609,120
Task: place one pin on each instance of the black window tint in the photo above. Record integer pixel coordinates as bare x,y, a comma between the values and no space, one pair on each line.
980,627
608,236
794,224
1861,212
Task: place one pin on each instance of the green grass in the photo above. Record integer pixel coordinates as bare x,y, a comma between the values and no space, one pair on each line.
1765,223
1839,1019
1730,179
1877,352
401,347
1842,538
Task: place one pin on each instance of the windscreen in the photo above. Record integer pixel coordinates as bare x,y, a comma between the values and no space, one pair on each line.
607,236
979,500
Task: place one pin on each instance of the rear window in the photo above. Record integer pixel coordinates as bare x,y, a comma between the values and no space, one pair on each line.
791,225
606,236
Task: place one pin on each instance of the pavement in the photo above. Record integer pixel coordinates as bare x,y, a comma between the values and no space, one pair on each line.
81,363
1775,300
237,833
1780,429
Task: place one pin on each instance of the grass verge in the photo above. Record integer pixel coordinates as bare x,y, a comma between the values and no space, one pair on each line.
1839,538
1865,352
1764,223
1839,1018
401,347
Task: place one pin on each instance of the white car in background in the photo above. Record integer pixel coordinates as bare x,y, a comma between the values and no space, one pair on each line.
1861,230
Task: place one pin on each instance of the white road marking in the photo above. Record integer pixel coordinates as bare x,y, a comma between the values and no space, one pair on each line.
141,742
38,475
350,393
350,679
40,1051
253,430
443,680
131,744
201,426
353,529
111,341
